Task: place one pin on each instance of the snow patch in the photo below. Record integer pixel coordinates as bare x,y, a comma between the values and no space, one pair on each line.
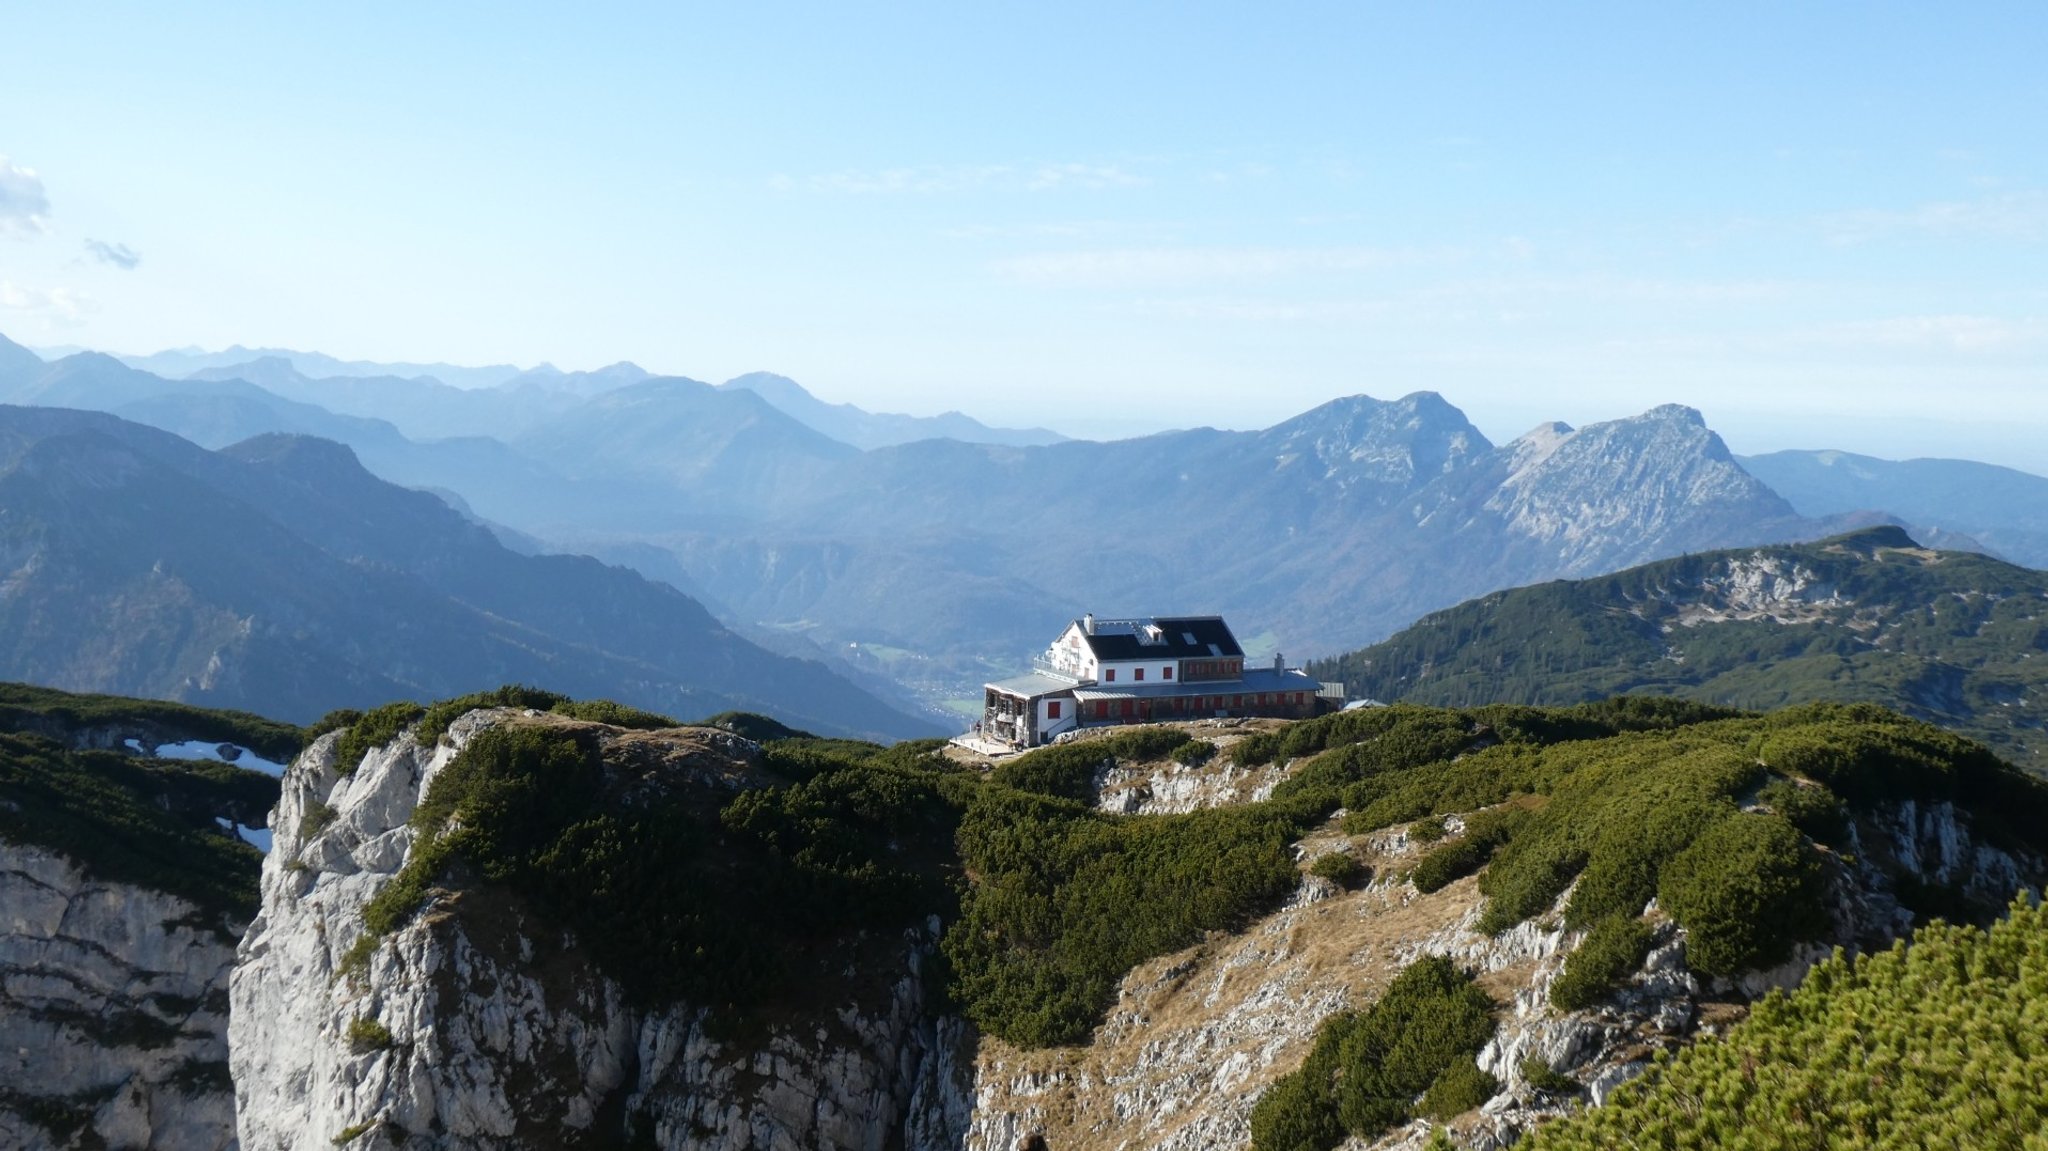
217,752
257,837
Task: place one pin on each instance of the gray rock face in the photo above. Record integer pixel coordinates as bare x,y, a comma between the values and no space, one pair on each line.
477,1026
113,1021
1628,490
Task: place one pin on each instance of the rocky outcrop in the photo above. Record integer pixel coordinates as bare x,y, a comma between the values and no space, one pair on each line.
1170,787
477,1025
113,1021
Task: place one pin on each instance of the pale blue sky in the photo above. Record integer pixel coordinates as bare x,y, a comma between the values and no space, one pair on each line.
1823,227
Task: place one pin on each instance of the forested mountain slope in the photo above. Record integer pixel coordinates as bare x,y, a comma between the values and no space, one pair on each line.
279,576
1956,638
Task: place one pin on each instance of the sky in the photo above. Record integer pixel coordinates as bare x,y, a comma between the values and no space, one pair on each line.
1823,225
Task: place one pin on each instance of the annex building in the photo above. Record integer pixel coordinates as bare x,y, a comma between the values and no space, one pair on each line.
1110,671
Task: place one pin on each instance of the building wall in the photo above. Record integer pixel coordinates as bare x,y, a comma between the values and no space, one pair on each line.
1295,703
1070,653
1055,715
1156,671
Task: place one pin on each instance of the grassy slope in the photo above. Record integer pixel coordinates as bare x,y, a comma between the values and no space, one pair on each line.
1953,638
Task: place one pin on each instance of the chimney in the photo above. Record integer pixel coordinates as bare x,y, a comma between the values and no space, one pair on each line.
1279,662
1088,624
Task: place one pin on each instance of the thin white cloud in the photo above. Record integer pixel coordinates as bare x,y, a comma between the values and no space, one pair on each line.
1620,289
1960,334
905,181
118,255
1267,311
1089,176
1128,267
52,305
2010,216
937,180
24,205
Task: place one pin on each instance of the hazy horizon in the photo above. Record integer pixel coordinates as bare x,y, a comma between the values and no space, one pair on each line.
1906,432
1821,227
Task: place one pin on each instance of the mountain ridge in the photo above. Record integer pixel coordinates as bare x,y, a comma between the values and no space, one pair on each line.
211,560
1870,616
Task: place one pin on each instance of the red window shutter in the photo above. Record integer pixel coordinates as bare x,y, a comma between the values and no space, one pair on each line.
1052,710
1139,675
1102,709
1109,676
1165,673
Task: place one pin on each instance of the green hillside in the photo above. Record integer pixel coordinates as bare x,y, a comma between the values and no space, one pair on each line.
1933,1045
1725,818
130,819
1954,638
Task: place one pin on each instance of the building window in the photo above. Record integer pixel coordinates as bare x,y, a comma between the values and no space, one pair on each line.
1052,709
1165,673
1139,675
1109,676
1102,709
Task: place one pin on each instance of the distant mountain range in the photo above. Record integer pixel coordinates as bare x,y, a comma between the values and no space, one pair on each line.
279,577
1954,638
434,401
936,562
2000,508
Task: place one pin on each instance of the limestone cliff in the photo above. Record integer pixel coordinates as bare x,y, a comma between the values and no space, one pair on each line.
113,1021
479,1025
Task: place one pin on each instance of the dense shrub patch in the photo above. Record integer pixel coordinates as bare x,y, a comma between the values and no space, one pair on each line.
373,729
1366,1069
31,710
141,821
1460,857
680,895
379,726
1746,888
1936,1044
1066,900
1341,868
1612,951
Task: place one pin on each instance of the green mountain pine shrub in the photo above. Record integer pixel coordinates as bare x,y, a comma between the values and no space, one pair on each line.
1367,1068
1936,1044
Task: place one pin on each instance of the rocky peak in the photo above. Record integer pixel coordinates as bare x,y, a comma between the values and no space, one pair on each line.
1406,442
1631,489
